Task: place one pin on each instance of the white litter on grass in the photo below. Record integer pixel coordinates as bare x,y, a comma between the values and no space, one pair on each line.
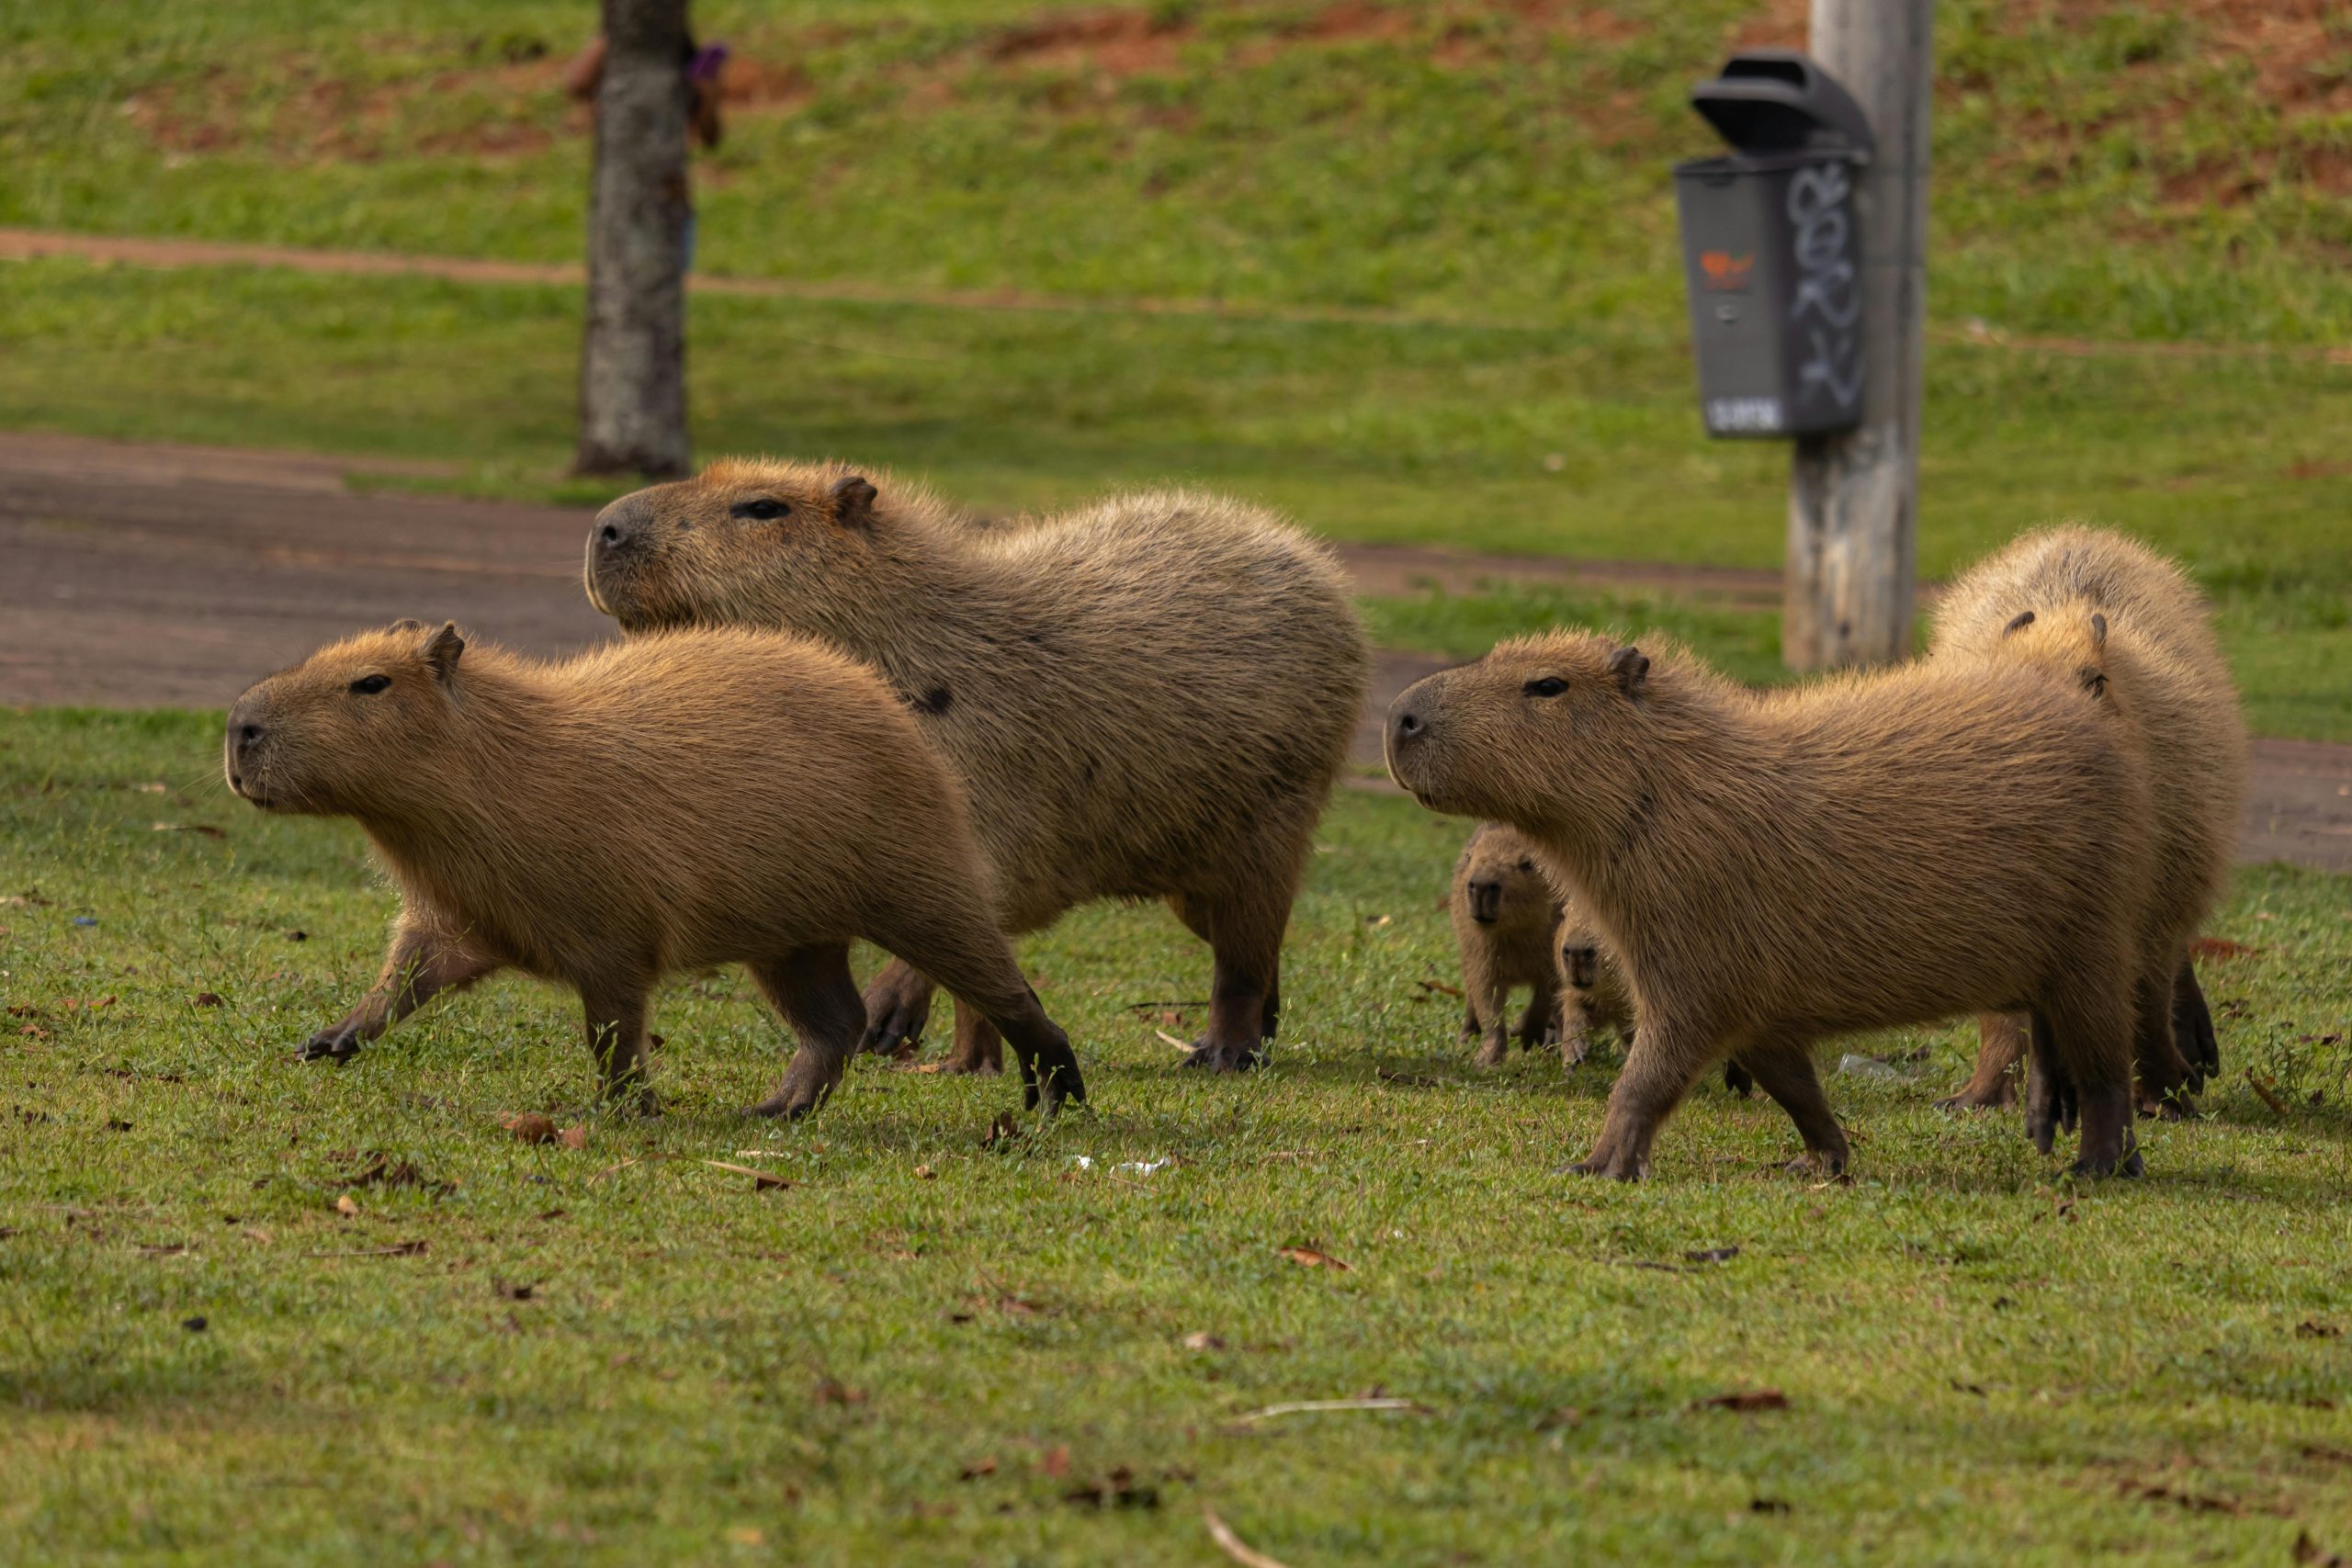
1083,1162
1140,1167
1866,1066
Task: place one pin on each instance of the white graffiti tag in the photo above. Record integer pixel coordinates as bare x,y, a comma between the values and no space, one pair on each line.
1829,291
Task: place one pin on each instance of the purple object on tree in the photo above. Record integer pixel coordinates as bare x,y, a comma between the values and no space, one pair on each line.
703,66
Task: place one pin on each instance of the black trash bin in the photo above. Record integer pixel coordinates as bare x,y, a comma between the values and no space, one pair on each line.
1770,252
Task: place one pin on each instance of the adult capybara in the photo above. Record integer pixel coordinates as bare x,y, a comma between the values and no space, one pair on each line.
666,804
1504,917
1146,697
1770,870
1592,986
2098,602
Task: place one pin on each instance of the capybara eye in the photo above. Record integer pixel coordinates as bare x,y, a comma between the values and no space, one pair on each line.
1550,686
1527,865
369,686
765,509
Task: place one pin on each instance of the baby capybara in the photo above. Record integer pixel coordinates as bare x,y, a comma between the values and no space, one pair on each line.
2138,634
1592,988
1770,872
1149,696
662,804
1504,918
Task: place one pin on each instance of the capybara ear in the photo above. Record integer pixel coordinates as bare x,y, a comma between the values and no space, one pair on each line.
2025,619
2098,634
441,651
1631,667
852,500
405,624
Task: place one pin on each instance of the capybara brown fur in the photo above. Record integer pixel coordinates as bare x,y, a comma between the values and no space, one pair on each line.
1592,984
1149,696
1504,917
656,805
1770,870
2140,636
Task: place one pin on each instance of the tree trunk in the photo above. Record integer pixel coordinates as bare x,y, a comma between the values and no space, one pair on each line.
632,359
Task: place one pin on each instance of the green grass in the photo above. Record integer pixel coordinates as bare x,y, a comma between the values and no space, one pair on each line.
1982,1362
2110,168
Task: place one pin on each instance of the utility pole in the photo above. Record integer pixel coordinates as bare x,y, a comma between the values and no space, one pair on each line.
1853,497
632,357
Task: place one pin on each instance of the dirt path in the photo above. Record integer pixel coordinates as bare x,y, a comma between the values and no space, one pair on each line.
26,244
149,576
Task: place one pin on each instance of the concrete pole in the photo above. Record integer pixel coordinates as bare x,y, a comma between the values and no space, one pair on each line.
1853,498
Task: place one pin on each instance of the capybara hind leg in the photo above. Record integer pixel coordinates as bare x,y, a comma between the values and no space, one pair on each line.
1048,1067
1248,949
1784,1070
979,1047
1738,1079
975,966
2159,1076
2000,1046
897,1008
424,961
813,989
2192,1027
1660,1069
615,1010
2091,1045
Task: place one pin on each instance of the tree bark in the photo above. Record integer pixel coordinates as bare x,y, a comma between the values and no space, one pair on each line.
1853,498
632,359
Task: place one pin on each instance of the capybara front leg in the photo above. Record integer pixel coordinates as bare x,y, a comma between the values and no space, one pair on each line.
1784,1070
2000,1046
813,989
615,1010
1576,1030
425,961
1493,1000
1660,1068
2192,1027
897,1009
1540,1024
2049,1092
1048,1066
980,1046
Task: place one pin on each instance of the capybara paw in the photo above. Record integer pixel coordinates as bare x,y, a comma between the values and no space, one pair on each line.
791,1108
330,1045
1214,1058
1617,1167
1817,1162
2130,1165
2174,1107
978,1066
1493,1053
1574,1049
1739,1080
1976,1099
895,1018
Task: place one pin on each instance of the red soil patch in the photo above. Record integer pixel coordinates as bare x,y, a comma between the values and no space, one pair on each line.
1115,43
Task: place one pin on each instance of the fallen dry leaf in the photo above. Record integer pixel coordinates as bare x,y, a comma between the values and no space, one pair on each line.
2195,1502
573,1137
978,1468
208,999
747,1535
507,1290
1056,1462
1233,1546
347,1206
1005,1129
2277,1106
762,1181
2311,1329
833,1391
1307,1257
530,1127
1745,1399
2208,948
1766,1505
1118,1489
924,1173
1440,987
1201,1339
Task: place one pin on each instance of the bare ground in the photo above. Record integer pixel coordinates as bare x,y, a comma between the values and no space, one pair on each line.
153,576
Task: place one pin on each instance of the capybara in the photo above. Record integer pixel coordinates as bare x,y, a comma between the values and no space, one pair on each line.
1771,870
1147,696
1592,986
1504,917
661,805
2140,630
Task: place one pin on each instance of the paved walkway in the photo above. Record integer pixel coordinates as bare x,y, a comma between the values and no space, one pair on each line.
148,575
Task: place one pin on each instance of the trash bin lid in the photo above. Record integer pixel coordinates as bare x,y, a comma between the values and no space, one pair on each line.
1778,100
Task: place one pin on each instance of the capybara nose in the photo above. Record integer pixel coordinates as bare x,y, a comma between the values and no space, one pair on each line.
1486,902
248,736
1405,726
619,526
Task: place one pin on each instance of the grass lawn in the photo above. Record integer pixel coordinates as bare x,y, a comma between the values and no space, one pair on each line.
988,1362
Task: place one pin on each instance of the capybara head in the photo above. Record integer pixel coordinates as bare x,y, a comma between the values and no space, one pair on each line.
1580,957
331,735
2068,636
1541,732
1499,879
742,543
